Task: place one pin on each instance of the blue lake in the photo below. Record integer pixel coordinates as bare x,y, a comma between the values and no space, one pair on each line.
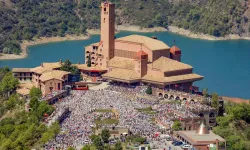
225,64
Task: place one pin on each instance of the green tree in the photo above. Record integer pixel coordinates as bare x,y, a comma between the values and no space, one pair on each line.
34,103
215,100
71,148
139,140
149,90
8,84
93,136
177,126
86,147
89,60
205,92
66,65
98,143
118,146
105,134
43,108
35,93
106,147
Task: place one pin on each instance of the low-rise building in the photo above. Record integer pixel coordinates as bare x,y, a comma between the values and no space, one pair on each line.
46,77
200,139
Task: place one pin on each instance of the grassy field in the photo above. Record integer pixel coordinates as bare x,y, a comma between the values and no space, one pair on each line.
103,110
107,121
147,110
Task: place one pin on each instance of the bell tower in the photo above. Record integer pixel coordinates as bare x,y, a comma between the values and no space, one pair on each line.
107,31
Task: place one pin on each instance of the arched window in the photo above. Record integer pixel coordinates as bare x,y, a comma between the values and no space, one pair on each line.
160,95
201,115
211,115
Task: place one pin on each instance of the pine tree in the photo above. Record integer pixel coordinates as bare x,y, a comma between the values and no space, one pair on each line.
149,90
89,61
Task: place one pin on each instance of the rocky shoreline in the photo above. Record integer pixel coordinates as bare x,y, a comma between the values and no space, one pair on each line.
25,44
131,28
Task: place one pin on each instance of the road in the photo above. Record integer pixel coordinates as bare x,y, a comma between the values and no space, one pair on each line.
160,145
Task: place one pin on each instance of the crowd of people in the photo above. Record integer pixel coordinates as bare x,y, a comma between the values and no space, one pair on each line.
77,127
79,123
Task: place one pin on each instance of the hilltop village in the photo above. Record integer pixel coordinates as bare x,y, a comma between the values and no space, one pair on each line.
129,86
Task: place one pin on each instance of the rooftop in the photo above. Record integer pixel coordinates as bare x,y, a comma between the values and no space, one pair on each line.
174,49
122,74
167,65
23,91
194,138
21,70
119,62
85,67
200,136
24,88
140,54
53,74
151,43
46,67
172,79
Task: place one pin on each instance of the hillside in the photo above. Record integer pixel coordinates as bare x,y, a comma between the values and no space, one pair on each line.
234,126
25,19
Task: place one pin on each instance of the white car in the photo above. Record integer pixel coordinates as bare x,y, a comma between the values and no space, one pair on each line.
186,146
86,141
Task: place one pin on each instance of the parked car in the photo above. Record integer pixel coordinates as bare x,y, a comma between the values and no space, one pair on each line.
178,144
174,141
146,142
169,139
185,146
86,141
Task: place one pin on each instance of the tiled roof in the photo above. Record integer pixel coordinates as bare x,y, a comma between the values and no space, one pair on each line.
46,67
21,70
125,63
194,138
139,54
85,67
174,49
184,77
53,74
24,88
23,91
122,74
172,79
41,70
167,65
151,43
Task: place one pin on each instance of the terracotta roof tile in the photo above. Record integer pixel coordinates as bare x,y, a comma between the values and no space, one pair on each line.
122,74
167,65
151,43
21,70
119,62
53,74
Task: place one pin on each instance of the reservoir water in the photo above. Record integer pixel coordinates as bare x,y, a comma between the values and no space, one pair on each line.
225,64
